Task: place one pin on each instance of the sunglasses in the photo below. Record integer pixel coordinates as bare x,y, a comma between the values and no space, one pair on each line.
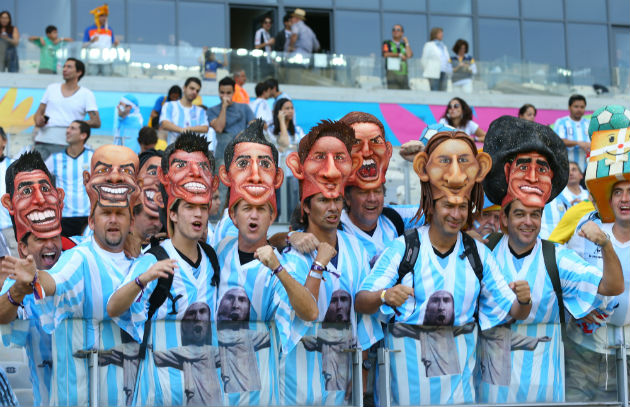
454,106
396,29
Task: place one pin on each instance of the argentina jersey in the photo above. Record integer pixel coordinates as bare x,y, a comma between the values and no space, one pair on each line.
554,210
182,116
224,228
436,330
524,361
68,174
85,277
569,129
314,366
181,362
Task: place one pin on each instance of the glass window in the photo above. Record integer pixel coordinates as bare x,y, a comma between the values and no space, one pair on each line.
544,43
619,11
153,22
201,24
362,4
500,8
30,23
621,45
406,5
290,5
454,29
493,46
587,10
588,53
116,19
357,32
547,9
450,6
415,29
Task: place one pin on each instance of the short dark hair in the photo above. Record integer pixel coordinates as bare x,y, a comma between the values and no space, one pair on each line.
252,134
145,155
261,87
3,135
575,98
79,66
189,142
83,128
227,81
174,89
29,161
326,128
50,29
363,117
147,136
273,83
287,17
524,108
192,79
458,44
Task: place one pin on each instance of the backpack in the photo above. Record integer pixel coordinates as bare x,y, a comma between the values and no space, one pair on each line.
395,218
549,256
163,289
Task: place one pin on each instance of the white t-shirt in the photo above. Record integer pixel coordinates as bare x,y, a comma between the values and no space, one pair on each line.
470,129
64,110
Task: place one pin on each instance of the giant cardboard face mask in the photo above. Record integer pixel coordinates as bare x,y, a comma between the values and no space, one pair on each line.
326,169
529,180
35,206
252,175
148,176
375,153
452,169
112,180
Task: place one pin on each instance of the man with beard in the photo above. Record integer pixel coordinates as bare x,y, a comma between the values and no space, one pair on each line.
176,273
146,216
73,294
34,193
254,285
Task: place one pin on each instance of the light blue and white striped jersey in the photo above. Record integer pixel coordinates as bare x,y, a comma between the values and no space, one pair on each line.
85,277
7,397
569,129
423,373
385,230
166,384
534,347
554,210
5,218
26,332
68,172
313,367
224,228
609,334
182,116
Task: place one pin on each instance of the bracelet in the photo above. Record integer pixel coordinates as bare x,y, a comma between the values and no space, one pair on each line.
277,270
606,241
316,275
12,301
524,303
38,292
383,297
317,266
139,284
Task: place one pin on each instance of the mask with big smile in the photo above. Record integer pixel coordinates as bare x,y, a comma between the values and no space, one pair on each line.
150,182
189,178
375,154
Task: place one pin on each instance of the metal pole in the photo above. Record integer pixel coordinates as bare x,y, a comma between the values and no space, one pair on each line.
384,388
94,378
622,371
357,377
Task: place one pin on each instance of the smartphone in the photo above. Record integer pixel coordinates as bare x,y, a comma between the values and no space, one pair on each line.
46,118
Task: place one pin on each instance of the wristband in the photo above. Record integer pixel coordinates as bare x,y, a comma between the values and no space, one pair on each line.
524,303
139,284
383,297
606,241
277,270
316,266
12,301
38,292
316,275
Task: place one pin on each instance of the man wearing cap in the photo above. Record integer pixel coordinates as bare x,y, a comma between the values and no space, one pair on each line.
73,294
529,169
127,123
448,262
303,40
591,345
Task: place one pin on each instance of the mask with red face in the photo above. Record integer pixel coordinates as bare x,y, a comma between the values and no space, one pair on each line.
148,177
375,153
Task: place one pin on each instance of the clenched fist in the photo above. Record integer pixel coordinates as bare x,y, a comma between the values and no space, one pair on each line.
522,291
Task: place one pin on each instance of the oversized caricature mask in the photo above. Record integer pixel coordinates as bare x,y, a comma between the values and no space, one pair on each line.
609,161
371,146
111,182
148,175
452,166
529,162
34,203
323,162
252,173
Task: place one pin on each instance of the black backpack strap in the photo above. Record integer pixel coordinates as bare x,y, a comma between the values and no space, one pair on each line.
493,240
549,256
212,255
395,218
412,248
470,251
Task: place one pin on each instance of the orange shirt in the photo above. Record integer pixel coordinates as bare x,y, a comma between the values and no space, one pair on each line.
240,96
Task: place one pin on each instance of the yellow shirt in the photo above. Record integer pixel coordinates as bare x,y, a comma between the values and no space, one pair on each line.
566,227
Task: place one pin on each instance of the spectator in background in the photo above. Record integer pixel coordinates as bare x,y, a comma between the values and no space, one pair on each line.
263,39
396,52
303,40
9,40
260,107
228,118
275,90
527,112
174,94
463,67
147,139
284,36
67,166
210,65
573,130
459,115
48,47
127,123
436,63
8,237
240,95
181,115
99,36
61,104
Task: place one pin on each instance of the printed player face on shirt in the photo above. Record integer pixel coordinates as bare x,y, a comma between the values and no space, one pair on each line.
375,154
339,308
196,325
150,182
234,306
529,179
189,178
112,180
36,205
440,309
253,175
